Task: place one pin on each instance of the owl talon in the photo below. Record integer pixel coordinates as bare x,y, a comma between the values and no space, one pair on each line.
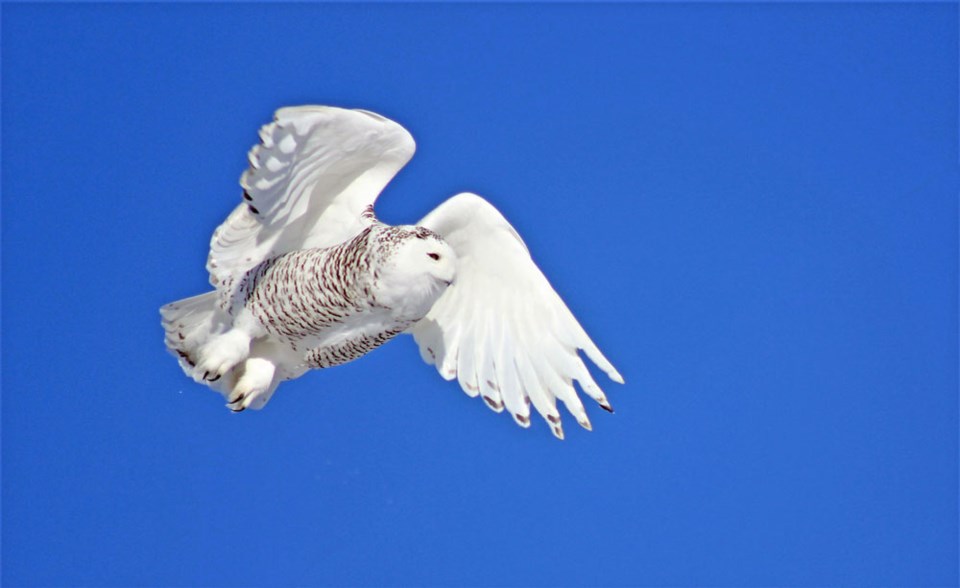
254,387
236,404
219,355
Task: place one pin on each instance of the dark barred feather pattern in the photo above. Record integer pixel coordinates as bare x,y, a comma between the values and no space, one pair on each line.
300,295
332,355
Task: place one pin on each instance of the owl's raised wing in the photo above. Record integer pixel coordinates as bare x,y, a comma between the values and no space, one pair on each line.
500,328
310,181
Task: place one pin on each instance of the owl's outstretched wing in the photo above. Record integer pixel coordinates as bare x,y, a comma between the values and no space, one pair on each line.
310,181
501,329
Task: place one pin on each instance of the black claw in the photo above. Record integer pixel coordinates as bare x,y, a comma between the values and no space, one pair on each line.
607,408
218,377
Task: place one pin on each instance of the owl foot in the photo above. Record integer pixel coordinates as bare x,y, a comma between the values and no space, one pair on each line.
254,387
220,354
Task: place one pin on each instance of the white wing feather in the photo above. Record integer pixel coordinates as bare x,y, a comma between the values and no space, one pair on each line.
501,329
314,173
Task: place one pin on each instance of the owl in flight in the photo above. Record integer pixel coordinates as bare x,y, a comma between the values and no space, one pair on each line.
306,277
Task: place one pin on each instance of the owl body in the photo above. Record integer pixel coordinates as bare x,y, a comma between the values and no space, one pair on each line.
306,277
330,304
324,306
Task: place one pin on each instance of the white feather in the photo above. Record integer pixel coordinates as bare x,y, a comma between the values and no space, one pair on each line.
525,336
308,184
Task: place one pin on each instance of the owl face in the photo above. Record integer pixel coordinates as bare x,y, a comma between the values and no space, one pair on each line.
420,267
423,253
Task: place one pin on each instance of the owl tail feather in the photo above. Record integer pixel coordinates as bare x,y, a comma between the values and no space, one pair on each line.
199,333
189,323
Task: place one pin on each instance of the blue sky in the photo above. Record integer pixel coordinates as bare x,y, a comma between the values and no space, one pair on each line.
751,208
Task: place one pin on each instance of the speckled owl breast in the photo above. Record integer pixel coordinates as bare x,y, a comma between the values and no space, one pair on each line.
332,305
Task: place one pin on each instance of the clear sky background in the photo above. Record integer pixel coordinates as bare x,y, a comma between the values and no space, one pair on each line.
751,208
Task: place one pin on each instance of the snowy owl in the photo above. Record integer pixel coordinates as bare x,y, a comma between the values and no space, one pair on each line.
306,277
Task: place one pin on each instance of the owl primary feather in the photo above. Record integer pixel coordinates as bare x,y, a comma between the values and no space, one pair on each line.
306,277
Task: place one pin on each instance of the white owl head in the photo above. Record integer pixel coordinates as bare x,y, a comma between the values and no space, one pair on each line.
417,267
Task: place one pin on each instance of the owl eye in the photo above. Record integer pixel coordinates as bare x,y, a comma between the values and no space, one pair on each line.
434,256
